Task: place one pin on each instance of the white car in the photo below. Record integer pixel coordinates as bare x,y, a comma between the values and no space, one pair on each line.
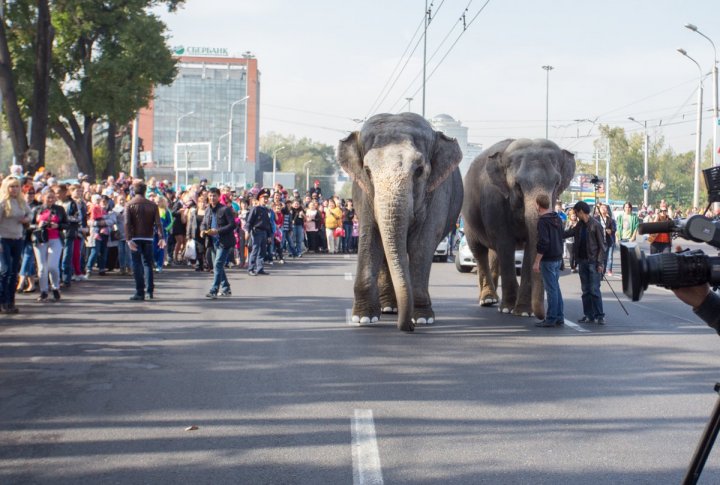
442,250
465,261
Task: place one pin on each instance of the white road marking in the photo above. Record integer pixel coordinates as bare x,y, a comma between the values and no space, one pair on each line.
347,256
348,277
575,326
366,457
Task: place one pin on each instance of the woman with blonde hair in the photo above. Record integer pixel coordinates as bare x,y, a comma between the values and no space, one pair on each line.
14,214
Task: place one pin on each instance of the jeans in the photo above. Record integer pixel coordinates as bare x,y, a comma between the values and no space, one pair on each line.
590,285
66,266
288,242
347,243
10,258
259,246
298,236
158,252
609,257
48,260
124,256
28,266
142,260
98,253
220,280
550,271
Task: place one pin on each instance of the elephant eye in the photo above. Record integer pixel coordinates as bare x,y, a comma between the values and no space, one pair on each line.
419,171
369,174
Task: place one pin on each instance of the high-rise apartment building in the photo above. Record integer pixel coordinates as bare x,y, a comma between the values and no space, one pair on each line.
206,123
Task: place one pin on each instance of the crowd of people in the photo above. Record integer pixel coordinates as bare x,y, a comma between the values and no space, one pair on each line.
54,235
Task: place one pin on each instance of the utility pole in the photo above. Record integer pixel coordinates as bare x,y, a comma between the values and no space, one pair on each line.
547,68
427,22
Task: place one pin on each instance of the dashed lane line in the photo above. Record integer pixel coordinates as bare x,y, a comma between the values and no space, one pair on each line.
575,326
365,454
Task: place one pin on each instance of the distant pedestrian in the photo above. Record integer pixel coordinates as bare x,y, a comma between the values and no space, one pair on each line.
589,250
259,226
142,224
219,226
548,260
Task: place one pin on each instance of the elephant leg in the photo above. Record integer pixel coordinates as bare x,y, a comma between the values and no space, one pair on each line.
486,285
506,262
421,258
523,303
388,300
366,307
494,269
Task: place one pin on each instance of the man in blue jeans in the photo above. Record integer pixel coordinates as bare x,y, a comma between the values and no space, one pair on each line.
589,248
548,260
142,221
260,227
219,226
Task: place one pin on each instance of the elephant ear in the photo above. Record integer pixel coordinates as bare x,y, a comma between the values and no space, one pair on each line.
350,158
567,170
446,157
496,167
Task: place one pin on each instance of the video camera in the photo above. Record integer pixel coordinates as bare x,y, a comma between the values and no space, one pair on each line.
675,270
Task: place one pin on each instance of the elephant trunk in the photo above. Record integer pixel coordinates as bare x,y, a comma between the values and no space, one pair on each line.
392,215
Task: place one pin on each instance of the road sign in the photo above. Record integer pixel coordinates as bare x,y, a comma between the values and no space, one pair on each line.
646,185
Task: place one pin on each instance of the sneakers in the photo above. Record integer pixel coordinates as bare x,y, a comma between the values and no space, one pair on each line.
137,298
586,319
263,272
56,295
252,273
600,321
226,293
149,296
545,323
10,309
211,296
43,297
610,273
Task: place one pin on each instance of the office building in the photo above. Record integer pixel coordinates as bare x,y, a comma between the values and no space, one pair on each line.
454,129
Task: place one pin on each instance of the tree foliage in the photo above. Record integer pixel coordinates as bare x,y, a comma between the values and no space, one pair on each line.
106,59
296,153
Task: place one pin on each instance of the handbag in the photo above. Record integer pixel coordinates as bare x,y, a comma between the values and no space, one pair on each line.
339,232
115,234
190,250
39,236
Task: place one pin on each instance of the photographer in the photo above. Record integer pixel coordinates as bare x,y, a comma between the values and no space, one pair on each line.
705,303
589,251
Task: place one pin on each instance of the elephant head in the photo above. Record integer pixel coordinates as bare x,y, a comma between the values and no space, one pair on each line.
398,161
521,170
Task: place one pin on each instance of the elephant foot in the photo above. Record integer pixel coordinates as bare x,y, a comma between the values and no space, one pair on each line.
364,320
523,311
424,316
504,309
407,326
488,301
389,309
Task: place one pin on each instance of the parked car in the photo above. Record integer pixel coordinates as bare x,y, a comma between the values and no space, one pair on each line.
465,261
442,250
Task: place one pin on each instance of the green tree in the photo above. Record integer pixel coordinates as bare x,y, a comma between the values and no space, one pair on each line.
106,59
296,153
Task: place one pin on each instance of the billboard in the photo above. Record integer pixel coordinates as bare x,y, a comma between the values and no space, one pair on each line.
583,188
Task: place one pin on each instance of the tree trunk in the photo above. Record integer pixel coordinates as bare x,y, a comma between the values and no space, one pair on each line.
111,167
12,110
43,51
80,144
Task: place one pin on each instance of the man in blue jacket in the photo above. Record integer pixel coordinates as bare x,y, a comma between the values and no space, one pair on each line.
260,228
219,225
548,260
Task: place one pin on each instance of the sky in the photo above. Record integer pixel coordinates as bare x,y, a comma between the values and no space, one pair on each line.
326,64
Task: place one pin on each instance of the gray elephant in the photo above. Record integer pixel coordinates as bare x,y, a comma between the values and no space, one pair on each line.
408,193
501,216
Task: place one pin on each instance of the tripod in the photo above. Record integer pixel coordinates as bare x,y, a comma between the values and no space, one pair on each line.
704,445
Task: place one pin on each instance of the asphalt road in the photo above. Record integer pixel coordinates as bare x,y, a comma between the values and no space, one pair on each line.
283,390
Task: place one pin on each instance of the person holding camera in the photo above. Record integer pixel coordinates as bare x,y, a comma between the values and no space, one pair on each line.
47,223
589,248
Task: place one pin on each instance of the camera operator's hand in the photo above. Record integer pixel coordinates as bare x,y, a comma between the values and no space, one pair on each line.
692,295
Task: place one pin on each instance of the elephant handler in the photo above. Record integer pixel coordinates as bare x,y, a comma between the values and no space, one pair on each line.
548,260
589,250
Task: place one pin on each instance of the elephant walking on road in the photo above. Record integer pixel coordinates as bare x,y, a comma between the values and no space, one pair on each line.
501,216
408,193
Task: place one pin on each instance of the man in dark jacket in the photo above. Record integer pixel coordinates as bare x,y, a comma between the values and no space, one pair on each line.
260,227
549,259
219,226
71,234
142,221
589,251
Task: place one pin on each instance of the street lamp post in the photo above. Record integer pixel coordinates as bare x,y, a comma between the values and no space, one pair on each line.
177,140
698,137
409,100
230,131
716,117
275,152
547,97
307,174
646,183
219,144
